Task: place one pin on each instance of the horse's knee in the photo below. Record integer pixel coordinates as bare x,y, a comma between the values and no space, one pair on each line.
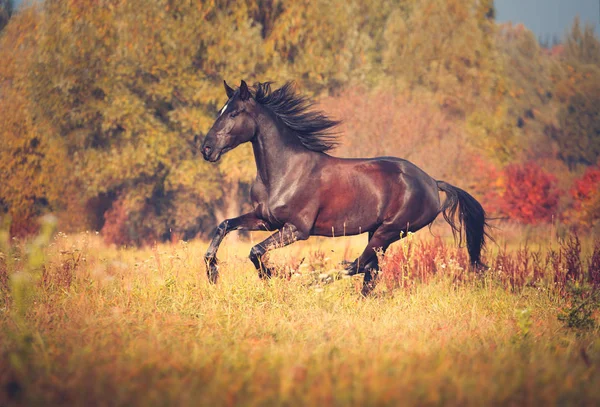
222,228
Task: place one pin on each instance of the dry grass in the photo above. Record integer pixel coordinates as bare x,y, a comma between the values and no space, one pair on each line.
143,327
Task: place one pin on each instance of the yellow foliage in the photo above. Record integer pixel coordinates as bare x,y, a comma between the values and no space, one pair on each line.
101,101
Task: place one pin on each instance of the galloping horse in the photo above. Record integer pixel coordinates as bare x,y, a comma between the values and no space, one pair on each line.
301,191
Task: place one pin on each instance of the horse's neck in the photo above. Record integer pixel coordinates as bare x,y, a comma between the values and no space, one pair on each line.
275,149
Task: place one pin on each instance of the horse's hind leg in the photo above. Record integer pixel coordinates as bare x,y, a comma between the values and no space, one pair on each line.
367,261
370,278
371,271
353,267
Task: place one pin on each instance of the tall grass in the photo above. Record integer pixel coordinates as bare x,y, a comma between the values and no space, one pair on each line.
416,262
117,326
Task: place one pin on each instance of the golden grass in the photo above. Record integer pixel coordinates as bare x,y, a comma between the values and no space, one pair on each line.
143,327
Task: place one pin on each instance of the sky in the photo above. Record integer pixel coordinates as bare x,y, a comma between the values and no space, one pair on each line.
547,18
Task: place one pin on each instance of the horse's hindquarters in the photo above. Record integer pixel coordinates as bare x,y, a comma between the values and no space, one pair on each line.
358,196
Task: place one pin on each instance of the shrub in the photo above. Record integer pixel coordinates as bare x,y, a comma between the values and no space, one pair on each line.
529,194
586,198
130,222
583,303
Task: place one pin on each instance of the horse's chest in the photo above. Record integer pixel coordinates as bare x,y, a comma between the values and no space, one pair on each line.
273,207
273,210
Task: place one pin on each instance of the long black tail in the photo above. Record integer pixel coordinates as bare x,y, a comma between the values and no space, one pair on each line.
471,217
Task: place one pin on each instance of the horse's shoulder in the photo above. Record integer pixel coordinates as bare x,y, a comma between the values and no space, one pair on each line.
258,191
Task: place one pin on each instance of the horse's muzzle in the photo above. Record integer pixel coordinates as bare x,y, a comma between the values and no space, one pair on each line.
210,154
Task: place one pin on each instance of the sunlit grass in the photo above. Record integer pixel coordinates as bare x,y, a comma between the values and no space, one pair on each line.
143,326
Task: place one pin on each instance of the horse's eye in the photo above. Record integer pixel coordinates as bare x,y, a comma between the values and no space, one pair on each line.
234,113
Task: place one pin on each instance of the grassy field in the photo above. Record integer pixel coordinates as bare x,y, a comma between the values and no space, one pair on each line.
89,324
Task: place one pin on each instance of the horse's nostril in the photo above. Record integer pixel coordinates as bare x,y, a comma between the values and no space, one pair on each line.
207,150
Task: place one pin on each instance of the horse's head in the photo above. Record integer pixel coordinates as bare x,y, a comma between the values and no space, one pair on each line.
234,126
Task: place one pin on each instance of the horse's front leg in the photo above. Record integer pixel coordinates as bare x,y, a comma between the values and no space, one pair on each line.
248,221
287,235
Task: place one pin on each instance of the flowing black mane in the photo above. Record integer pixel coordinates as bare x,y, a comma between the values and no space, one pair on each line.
313,128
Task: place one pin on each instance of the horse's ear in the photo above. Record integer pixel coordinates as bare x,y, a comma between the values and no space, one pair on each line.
228,90
244,91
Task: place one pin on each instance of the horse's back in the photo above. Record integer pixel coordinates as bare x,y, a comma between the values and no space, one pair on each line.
362,194
420,200
391,168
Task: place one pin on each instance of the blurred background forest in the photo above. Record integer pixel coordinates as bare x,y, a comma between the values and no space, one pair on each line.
100,102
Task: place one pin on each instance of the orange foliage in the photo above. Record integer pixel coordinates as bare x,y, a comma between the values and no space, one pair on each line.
383,123
529,194
486,183
586,195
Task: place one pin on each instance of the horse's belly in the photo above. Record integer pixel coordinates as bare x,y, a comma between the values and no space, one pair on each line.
355,202
344,218
342,228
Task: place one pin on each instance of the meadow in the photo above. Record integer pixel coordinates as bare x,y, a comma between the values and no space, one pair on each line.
103,108
83,323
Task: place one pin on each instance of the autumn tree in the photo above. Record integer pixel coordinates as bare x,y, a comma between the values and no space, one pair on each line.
100,103
33,163
127,100
6,10
444,46
529,96
582,44
325,43
577,131
578,136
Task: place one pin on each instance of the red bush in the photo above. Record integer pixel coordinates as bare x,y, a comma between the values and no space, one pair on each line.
586,196
529,194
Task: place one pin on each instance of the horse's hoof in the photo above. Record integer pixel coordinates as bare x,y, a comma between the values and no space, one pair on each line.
326,278
351,269
265,273
479,267
367,288
212,273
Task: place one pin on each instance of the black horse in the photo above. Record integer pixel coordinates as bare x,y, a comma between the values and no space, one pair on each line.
301,191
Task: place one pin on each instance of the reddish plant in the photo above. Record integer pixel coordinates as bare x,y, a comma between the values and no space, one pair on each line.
586,196
412,262
529,194
24,225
